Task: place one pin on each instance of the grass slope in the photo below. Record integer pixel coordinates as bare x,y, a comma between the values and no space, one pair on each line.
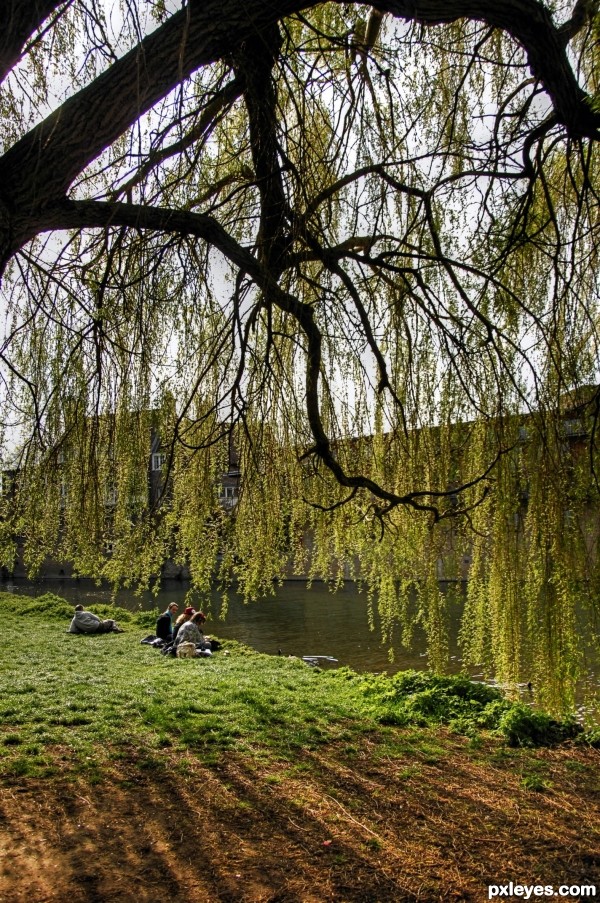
298,784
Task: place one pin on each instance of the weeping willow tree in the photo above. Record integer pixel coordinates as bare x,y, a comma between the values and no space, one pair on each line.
358,245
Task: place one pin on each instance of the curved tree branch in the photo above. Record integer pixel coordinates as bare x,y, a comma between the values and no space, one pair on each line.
20,18
38,170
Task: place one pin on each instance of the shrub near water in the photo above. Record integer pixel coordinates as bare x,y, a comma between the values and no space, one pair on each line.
523,727
421,698
414,697
48,605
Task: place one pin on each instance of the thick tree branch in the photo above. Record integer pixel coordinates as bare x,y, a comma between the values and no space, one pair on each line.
38,169
19,19
530,23
69,214
583,13
254,63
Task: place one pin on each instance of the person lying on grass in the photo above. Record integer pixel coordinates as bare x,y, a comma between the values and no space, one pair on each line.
88,622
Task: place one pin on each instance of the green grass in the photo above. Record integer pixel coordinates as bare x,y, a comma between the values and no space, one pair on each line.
534,783
88,695
73,701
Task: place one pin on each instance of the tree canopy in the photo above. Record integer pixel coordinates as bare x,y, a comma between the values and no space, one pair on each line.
356,243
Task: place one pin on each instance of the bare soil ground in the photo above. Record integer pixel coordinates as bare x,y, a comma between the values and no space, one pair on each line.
340,824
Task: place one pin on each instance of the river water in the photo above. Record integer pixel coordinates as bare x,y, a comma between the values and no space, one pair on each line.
294,621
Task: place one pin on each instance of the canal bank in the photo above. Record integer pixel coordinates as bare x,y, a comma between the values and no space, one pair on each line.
302,621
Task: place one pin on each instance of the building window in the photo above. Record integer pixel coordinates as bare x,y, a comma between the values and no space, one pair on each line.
158,460
574,428
228,496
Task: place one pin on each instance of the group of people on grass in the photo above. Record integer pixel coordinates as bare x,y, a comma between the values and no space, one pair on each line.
182,635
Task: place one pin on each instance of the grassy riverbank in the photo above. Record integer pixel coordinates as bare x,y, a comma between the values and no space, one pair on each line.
249,777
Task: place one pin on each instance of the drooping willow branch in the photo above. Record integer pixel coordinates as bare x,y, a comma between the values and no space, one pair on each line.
71,213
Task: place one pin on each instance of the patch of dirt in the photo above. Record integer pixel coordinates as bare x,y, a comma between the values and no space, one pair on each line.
361,827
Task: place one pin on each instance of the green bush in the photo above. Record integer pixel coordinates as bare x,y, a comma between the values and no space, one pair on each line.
590,738
118,614
423,698
145,619
48,605
522,726
408,683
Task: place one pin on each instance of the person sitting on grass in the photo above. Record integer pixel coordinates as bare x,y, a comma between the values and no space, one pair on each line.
181,620
191,632
88,622
164,624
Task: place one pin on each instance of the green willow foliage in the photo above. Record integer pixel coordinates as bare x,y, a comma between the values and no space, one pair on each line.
439,232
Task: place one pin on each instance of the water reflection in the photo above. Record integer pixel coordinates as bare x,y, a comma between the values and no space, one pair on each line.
296,621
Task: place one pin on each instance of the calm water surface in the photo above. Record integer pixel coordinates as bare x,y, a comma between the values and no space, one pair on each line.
296,621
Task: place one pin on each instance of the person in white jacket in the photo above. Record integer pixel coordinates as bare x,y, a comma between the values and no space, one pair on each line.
88,622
